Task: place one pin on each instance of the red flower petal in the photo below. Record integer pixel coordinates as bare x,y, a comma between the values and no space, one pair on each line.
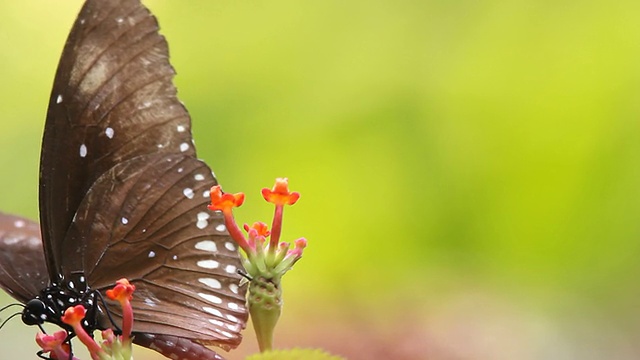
260,227
280,194
74,315
224,202
122,291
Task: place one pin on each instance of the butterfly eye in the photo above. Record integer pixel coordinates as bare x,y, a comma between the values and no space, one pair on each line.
34,312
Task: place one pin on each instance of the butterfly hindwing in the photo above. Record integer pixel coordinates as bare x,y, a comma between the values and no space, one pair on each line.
23,272
159,234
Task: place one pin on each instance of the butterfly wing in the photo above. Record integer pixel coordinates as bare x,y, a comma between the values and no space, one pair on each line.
154,229
112,100
121,192
23,272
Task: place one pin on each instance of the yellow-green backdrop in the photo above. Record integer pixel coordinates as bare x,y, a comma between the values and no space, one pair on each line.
469,170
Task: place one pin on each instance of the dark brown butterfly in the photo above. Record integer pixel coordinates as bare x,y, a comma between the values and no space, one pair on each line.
122,194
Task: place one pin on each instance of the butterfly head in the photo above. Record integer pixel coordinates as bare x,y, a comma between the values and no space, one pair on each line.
35,312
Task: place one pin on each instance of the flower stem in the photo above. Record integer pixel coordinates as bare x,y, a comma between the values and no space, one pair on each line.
265,306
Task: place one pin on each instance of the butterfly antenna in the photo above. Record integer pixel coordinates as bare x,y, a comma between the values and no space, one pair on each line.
10,305
9,318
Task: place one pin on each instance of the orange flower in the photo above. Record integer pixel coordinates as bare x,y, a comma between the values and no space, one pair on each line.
280,194
224,202
74,315
260,227
123,290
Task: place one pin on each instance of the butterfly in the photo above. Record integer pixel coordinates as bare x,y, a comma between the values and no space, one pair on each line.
122,194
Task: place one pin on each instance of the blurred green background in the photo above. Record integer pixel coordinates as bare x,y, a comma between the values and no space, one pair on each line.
469,170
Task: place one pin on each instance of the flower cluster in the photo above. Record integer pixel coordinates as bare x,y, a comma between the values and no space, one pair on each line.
266,261
272,258
112,348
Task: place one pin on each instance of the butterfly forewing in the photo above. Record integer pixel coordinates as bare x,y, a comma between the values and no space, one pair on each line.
112,100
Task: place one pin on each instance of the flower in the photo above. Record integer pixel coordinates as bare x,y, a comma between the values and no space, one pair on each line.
266,262
224,202
73,316
122,292
260,227
54,344
280,194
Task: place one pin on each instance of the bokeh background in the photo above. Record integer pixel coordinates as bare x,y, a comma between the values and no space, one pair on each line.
469,170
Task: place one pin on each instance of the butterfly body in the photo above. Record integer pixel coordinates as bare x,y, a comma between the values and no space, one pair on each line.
122,194
50,304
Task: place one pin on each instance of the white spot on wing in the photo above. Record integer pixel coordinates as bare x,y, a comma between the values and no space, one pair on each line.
59,99
188,192
233,306
109,132
216,322
180,128
83,150
212,283
208,264
211,298
212,311
202,220
233,288
207,245
184,147
221,228
232,318
206,193
152,254
230,269
229,245
19,223
124,221
198,177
